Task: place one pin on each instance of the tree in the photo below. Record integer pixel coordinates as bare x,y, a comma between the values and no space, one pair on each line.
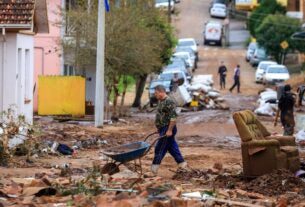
263,10
157,21
138,42
274,30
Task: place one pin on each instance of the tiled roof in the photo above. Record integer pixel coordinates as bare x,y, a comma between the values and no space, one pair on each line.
16,11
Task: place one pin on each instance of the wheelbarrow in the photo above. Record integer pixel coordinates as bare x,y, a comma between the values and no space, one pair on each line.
126,153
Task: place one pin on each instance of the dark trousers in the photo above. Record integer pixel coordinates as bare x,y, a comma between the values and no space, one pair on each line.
288,123
167,144
222,81
301,94
236,83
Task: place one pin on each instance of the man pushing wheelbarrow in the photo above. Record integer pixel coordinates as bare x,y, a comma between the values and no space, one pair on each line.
165,123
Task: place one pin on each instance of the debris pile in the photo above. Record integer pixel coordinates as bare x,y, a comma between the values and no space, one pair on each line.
199,95
276,183
267,103
188,174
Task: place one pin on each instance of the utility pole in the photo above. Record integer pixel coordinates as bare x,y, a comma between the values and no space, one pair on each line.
100,64
169,11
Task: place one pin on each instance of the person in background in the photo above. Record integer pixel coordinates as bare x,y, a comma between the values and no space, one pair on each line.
174,83
165,123
236,79
222,72
301,90
285,111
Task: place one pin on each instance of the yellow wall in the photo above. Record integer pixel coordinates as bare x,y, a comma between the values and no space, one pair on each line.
61,95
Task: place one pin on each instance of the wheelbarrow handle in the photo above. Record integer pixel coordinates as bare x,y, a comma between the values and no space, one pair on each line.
153,143
150,136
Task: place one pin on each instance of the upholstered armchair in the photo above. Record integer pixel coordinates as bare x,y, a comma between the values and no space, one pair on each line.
262,152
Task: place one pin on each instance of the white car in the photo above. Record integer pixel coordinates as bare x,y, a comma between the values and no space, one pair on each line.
276,74
218,10
188,43
261,69
163,5
212,33
186,57
250,51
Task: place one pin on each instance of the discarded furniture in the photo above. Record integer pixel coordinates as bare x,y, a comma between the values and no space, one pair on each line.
262,152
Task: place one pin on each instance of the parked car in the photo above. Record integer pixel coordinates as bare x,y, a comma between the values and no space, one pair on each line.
258,56
250,51
212,33
276,74
178,60
185,56
151,89
261,69
218,10
188,43
169,74
217,2
179,66
191,52
163,5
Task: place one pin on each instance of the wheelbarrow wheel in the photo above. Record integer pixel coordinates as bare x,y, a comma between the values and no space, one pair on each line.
110,169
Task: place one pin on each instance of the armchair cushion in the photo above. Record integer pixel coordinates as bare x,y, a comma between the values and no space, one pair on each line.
248,126
290,151
261,143
283,140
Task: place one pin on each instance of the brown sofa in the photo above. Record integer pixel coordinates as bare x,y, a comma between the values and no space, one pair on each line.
262,152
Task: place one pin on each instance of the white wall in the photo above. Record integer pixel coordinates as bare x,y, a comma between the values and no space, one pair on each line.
90,84
18,72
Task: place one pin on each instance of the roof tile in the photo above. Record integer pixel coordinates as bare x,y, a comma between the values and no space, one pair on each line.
16,11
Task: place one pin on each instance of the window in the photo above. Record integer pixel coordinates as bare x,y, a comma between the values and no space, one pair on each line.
68,70
27,73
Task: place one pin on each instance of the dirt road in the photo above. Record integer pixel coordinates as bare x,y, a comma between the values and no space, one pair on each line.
207,137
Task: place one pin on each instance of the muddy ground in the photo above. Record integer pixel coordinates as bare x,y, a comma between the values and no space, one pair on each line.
208,140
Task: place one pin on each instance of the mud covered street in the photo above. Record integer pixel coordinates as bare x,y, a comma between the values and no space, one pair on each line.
208,140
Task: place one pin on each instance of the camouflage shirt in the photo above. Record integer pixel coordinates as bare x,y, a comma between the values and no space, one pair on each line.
166,112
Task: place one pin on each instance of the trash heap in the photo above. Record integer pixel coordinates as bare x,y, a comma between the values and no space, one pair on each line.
200,95
267,103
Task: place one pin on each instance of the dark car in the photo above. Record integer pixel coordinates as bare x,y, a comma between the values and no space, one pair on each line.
151,89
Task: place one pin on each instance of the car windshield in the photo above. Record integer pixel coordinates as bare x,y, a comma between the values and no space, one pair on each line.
161,1
277,70
252,46
175,66
153,84
188,50
185,43
219,6
184,56
264,66
169,76
261,53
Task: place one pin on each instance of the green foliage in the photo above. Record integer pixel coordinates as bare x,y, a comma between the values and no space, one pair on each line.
266,8
274,30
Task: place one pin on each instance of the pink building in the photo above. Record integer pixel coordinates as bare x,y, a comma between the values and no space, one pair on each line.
48,54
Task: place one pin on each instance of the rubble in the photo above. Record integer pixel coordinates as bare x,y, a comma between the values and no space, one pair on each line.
267,103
